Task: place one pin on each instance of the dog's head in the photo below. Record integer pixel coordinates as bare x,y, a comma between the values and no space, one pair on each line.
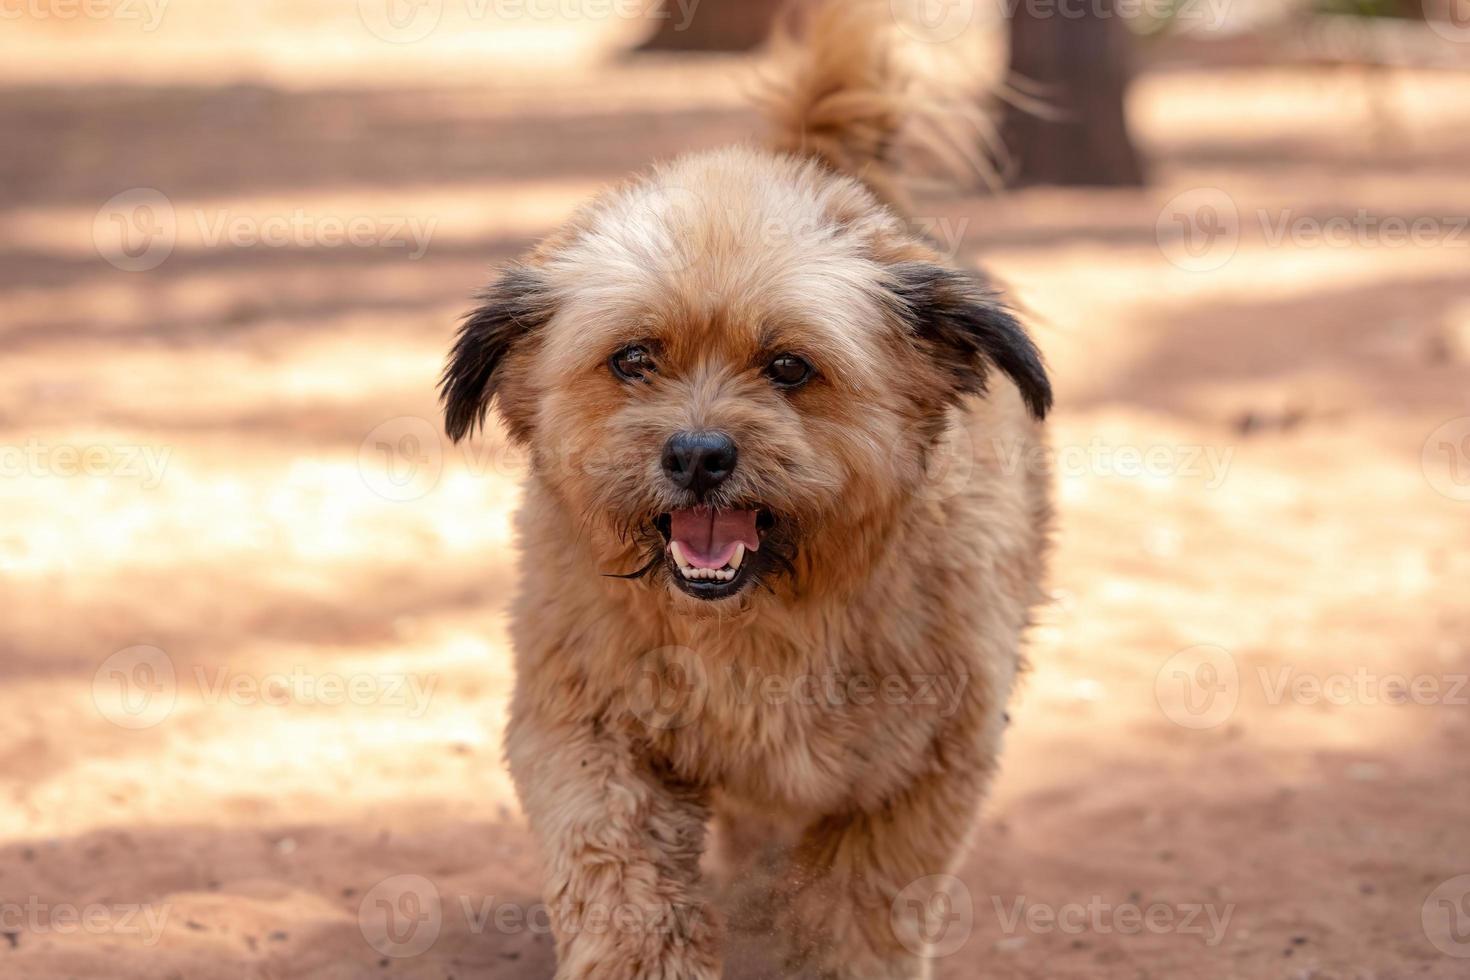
730,371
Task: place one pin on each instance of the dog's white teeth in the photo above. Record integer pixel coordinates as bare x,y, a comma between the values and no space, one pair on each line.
726,574
687,569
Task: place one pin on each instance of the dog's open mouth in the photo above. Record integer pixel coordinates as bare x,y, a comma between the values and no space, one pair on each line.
711,552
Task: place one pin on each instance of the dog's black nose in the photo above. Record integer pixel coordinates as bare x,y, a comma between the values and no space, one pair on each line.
699,461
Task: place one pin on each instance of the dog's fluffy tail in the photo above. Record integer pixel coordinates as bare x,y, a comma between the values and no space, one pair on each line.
841,93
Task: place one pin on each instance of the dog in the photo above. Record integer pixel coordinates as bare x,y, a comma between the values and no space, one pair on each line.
744,599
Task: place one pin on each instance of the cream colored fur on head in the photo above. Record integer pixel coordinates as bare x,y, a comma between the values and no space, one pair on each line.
838,707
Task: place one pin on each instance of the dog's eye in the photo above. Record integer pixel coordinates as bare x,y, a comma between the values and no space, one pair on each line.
633,363
789,371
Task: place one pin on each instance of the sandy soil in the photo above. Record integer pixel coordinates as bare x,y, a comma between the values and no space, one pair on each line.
254,660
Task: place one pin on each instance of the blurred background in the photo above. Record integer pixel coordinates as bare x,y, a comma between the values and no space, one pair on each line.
254,658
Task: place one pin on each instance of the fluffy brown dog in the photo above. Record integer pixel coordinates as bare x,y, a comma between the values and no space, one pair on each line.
742,591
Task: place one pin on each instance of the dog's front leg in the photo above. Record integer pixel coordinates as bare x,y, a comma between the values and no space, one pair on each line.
867,898
621,845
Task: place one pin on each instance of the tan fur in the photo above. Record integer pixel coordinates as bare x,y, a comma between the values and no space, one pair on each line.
840,94
721,259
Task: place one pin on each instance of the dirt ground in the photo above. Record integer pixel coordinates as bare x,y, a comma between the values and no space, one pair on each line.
254,658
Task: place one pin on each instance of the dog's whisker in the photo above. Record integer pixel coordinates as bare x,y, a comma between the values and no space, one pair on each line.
635,574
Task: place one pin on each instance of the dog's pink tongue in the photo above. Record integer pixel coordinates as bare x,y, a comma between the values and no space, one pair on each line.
708,537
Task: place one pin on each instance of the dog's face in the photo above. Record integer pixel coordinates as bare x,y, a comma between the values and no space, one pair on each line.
727,370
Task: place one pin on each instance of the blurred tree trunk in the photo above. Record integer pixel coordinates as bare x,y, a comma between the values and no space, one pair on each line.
1083,63
712,25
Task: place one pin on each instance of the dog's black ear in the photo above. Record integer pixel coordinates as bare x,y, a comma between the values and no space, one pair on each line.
969,330
511,310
